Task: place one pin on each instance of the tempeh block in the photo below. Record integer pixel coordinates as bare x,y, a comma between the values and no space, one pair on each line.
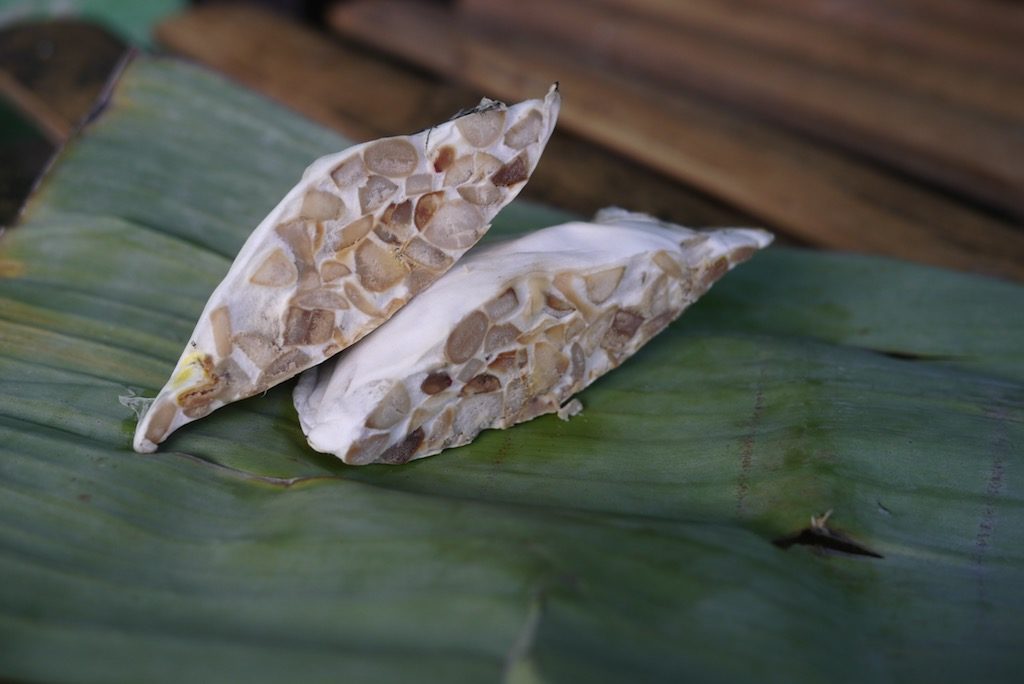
364,231
512,332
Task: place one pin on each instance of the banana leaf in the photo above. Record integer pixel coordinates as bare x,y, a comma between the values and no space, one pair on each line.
665,534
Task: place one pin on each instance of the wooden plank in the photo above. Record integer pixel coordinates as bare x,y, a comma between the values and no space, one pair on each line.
806,190
886,20
969,152
49,123
365,96
55,71
1000,21
53,75
825,44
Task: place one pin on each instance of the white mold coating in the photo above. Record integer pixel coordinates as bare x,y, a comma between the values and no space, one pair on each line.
510,333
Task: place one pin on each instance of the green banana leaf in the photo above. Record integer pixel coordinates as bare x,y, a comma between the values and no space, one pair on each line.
632,543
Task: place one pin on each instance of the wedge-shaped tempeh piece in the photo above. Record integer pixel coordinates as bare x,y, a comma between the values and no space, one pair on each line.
364,231
512,333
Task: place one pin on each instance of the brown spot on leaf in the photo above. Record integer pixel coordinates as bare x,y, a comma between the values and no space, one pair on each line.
11,269
820,536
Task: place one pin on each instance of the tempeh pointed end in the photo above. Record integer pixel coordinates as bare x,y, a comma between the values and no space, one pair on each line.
364,231
511,334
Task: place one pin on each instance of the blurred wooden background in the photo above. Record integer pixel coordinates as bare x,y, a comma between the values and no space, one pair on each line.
880,126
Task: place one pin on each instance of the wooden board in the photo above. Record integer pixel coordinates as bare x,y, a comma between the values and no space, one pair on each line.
919,119
792,182
52,76
364,95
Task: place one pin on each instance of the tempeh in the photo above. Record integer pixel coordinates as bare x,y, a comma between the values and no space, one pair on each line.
511,333
364,231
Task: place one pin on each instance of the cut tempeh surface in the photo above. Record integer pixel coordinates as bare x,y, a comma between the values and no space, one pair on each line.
364,231
512,333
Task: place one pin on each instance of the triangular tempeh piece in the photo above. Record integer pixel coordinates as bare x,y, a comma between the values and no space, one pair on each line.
512,333
363,232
